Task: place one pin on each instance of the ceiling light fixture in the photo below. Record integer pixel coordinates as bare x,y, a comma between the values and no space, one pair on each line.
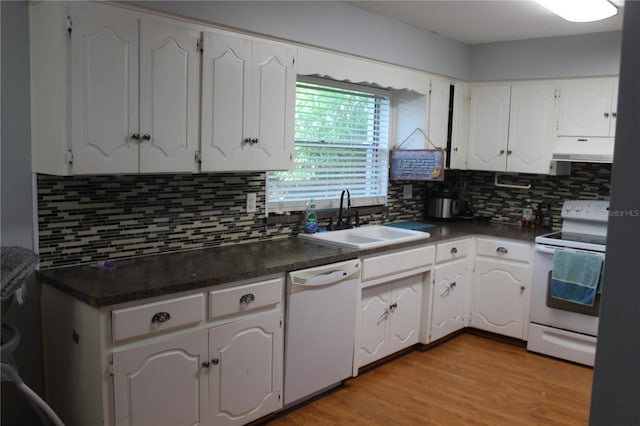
580,10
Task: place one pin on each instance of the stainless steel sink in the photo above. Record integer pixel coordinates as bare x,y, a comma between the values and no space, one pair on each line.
365,237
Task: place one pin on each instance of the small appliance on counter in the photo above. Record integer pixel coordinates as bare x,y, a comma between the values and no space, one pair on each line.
442,203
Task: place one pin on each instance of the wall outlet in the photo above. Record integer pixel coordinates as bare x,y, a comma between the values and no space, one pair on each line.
251,202
407,191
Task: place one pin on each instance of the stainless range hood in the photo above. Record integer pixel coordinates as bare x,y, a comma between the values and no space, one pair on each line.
584,149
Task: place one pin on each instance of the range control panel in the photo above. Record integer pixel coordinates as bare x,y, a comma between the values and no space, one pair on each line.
589,210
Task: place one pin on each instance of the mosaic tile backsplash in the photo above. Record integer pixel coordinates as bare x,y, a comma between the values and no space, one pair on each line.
83,219
586,181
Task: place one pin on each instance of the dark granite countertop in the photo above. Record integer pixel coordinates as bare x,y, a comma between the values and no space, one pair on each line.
158,275
461,228
150,276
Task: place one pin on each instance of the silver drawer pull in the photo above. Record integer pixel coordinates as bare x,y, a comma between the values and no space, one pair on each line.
247,298
502,250
454,250
161,317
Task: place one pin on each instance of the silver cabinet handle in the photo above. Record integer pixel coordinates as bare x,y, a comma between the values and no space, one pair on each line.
384,315
247,298
146,137
502,250
161,317
247,140
135,136
254,140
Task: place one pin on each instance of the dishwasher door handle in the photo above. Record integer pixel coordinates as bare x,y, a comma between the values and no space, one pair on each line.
327,279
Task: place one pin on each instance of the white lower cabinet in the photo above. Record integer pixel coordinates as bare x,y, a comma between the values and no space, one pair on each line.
390,318
207,357
451,291
502,287
394,303
245,381
163,383
451,288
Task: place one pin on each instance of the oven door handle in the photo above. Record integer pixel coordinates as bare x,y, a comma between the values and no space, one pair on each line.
545,249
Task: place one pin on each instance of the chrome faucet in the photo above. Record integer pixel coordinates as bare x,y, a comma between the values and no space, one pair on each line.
339,224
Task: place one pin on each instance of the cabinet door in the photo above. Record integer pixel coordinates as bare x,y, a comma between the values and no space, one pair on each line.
225,65
162,383
586,107
439,101
450,298
246,369
247,104
269,112
404,318
459,128
531,132
501,297
488,128
169,97
104,89
374,315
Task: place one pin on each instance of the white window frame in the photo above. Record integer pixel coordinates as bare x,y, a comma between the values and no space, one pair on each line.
333,200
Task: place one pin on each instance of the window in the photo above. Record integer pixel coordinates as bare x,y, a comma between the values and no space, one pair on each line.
341,142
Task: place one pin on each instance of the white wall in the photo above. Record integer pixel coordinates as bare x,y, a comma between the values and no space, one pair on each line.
575,56
332,25
346,28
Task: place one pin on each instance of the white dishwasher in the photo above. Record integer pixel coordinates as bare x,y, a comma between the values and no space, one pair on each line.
321,311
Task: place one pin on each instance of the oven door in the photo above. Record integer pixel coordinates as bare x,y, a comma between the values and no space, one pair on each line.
560,314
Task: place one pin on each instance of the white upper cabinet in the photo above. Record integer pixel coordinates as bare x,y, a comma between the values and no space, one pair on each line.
129,92
511,127
120,91
169,97
447,119
531,133
488,127
588,107
104,89
247,104
439,102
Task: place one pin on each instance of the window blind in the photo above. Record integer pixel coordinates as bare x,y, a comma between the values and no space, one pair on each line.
341,142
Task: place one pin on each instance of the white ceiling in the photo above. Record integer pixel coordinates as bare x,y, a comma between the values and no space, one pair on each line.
483,21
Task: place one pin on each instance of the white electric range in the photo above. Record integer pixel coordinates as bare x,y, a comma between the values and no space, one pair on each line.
559,328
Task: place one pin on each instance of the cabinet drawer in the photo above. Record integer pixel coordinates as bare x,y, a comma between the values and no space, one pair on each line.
155,317
502,249
452,250
245,298
397,262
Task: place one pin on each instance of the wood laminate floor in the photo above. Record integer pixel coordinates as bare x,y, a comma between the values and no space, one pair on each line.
469,380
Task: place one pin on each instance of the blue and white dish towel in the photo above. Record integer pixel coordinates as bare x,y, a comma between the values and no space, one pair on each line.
576,276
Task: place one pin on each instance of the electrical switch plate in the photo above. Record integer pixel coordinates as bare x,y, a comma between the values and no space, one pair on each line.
251,202
407,191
